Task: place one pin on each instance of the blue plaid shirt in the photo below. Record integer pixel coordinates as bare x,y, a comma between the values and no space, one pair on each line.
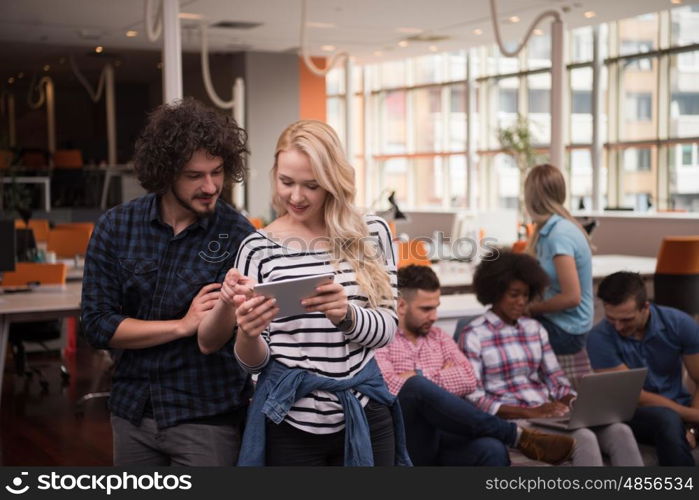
136,268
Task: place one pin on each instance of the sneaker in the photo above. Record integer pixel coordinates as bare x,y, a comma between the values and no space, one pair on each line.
550,448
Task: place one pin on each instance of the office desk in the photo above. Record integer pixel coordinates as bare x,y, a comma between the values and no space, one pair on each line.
43,303
457,277
43,181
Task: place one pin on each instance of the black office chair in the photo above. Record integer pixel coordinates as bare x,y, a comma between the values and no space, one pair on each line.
36,332
590,225
461,324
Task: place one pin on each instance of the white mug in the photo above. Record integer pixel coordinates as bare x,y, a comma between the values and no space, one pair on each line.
51,257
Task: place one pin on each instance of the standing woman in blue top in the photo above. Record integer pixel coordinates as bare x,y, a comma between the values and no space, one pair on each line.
563,249
320,398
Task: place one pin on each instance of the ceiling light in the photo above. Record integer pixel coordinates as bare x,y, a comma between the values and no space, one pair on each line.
189,15
676,2
46,67
514,19
411,31
131,33
11,80
478,31
433,48
327,48
590,14
312,24
378,53
403,43
99,49
538,32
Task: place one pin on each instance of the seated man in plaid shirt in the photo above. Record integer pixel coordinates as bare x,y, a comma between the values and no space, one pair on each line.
153,269
431,377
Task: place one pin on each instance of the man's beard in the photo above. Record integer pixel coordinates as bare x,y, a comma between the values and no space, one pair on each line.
188,206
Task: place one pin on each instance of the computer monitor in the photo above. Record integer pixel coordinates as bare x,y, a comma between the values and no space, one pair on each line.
8,248
25,245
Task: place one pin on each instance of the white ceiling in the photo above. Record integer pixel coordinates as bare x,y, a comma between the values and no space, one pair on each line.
360,27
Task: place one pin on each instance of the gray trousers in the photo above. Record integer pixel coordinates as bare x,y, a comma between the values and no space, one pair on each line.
616,441
189,444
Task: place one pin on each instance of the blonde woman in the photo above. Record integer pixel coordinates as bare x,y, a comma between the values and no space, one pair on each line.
563,250
320,398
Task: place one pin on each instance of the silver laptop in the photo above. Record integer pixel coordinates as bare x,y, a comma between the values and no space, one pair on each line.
603,398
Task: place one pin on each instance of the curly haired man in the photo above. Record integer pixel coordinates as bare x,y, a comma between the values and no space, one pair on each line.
153,269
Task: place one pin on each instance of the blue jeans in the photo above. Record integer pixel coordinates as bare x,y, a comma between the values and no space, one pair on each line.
562,342
444,429
664,429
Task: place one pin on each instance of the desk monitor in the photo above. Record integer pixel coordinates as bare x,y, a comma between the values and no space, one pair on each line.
25,245
8,248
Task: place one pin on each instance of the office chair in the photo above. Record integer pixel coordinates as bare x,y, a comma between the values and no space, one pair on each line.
38,332
676,279
68,242
589,225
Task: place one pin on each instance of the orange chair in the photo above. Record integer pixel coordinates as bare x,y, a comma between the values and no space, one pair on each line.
257,222
412,252
35,331
519,246
36,272
40,228
67,158
87,226
676,280
67,243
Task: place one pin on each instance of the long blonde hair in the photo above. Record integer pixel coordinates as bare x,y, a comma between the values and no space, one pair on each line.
347,230
545,194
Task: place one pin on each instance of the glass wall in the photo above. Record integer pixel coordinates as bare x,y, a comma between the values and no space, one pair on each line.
417,124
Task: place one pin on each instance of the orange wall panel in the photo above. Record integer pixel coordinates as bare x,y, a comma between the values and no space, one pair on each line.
312,92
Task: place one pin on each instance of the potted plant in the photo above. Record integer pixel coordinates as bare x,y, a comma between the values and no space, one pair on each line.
518,141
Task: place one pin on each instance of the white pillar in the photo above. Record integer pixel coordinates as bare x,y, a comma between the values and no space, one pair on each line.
172,52
239,198
558,78
11,120
349,110
597,110
111,114
50,115
469,107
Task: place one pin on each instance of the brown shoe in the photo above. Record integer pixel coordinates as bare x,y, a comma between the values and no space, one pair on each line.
550,448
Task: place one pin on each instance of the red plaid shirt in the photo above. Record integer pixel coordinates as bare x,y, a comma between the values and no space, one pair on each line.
429,354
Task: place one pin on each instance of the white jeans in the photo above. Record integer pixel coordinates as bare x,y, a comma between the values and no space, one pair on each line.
616,441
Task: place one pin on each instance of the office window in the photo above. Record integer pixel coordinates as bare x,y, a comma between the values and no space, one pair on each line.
456,66
539,51
428,69
638,178
508,100
580,180
684,95
685,25
638,34
683,178
395,176
428,129
393,125
506,181
429,182
687,150
497,64
539,93
457,118
638,96
457,181
581,45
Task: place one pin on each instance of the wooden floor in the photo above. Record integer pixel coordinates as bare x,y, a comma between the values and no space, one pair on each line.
42,429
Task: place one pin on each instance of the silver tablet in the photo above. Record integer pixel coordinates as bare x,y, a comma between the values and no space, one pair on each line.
289,293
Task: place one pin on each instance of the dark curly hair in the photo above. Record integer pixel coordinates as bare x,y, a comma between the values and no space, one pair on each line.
175,131
412,278
493,277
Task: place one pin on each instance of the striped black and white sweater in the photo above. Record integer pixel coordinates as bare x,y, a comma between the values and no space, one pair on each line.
311,341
